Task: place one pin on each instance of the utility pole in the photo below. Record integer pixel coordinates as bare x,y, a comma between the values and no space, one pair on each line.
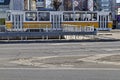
73,5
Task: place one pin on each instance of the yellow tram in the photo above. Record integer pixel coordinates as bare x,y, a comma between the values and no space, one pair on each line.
23,20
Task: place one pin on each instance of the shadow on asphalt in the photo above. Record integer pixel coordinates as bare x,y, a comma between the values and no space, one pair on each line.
51,41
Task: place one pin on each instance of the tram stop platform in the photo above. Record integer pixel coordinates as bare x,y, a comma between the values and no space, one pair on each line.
113,34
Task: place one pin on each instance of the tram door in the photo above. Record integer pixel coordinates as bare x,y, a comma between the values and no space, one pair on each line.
56,19
17,19
103,21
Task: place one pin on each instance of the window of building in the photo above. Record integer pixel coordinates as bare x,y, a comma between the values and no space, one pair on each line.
40,0
40,3
1,1
104,0
105,5
106,9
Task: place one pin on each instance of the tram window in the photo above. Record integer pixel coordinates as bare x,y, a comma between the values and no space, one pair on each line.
44,16
31,16
68,17
110,17
77,17
83,16
94,17
89,17
8,16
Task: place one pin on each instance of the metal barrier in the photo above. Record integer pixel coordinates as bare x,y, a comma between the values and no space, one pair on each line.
38,34
48,32
43,35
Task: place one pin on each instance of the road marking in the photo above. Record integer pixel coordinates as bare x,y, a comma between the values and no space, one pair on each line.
88,69
55,44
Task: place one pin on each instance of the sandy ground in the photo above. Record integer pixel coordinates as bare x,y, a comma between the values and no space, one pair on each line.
69,61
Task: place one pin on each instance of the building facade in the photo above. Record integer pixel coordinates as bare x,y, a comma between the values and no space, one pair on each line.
16,4
29,4
104,5
40,4
4,4
67,5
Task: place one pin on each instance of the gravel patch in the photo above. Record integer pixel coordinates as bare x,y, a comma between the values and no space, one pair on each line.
113,58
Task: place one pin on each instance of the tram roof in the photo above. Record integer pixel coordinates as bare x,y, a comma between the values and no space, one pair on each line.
45,9
84,12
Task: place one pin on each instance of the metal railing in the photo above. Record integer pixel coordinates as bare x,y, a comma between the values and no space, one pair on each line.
48,32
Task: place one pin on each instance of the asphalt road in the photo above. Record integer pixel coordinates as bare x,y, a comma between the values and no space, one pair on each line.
52,49
27,50
38,74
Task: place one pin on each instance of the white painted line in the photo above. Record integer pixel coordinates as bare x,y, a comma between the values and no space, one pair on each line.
54,44
87,69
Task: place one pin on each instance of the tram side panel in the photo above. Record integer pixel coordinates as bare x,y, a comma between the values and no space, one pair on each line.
110,24
36,25
80,24
30,25
8,25
44,19
84,24
64,24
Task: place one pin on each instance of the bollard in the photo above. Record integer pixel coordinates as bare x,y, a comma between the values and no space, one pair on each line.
47,37
59,37
43,37
21,38
75,37
26,38
8,38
